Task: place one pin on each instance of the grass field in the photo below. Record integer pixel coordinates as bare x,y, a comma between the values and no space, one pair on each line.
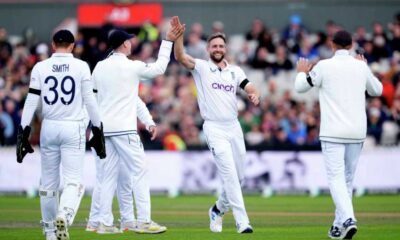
281,217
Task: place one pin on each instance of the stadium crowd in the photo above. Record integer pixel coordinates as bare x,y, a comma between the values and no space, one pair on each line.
284,120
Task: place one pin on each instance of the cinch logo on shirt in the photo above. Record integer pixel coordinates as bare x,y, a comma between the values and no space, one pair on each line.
226,88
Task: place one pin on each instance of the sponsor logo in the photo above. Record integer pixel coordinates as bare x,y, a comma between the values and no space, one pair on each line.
226,88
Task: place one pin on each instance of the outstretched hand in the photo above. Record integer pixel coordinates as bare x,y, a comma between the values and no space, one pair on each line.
175,30
303,65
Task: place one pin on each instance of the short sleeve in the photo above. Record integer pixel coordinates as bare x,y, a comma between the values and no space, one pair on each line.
240,75
35,78
199,65
316,75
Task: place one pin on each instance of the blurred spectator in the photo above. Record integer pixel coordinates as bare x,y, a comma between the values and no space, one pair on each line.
294,31
282,62
197,28
217,26
5,47
360,37
260,60
196,47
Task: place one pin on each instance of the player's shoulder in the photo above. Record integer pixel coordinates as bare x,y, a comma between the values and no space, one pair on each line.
200,63
80,62
235,68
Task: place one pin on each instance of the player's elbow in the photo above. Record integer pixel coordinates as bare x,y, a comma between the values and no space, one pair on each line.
377,91
301,88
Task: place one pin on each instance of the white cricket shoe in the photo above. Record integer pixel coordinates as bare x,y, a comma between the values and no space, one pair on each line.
244,228
92,226
216,220
61,228
51,236
128,226
103,229
150,227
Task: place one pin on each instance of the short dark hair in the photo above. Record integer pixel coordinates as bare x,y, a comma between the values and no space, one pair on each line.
216,35
342,39
63,38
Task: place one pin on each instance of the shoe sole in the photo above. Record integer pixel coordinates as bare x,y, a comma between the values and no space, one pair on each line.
247,230
332,237
350,233
149,232
61,229
90,230
101,232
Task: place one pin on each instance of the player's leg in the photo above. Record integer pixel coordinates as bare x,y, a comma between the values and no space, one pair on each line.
218,142
109,167
132,153
125,198
94,215
72,147
50,178
334,154
352,154
239,156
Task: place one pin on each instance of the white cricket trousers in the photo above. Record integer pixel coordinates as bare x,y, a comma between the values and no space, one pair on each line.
341,163
226,142
124,151
62,143
124,196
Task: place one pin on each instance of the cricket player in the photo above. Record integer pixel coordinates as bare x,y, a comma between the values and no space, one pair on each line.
63,85
116,81
342,81
217,82
124,186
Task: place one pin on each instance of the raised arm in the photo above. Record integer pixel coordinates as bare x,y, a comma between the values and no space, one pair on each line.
186,60
304,81
152,70
374,86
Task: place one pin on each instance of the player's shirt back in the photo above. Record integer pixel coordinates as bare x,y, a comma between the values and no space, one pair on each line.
216,90
59,78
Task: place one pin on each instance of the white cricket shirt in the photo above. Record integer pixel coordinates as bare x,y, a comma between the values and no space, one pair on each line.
342,81
216,90
116,80
60,79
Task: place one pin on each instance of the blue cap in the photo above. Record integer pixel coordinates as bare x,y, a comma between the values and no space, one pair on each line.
117,37
295,19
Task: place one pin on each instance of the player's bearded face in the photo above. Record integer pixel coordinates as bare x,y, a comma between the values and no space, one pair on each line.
216,49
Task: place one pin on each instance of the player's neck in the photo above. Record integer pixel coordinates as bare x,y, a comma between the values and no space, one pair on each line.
62,50
221,64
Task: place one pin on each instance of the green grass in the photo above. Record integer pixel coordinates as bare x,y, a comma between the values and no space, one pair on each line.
281,217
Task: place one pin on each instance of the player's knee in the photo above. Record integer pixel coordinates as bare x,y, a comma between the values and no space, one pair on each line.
48,193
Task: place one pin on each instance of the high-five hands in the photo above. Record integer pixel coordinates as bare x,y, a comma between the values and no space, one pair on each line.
175,30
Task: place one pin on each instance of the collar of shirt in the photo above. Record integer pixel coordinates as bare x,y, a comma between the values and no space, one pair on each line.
214,66
62,55
342,52
118,54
